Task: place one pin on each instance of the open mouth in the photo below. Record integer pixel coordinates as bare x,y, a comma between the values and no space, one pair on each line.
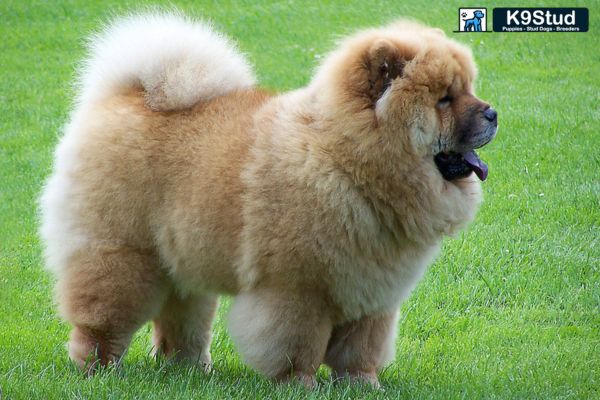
460,165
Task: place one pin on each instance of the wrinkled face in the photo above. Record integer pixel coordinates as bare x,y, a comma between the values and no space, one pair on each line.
464,122
427,91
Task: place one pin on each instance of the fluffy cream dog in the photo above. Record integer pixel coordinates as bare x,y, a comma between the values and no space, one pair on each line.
177,180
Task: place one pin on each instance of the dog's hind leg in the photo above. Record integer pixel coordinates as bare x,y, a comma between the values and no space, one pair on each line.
183,329
107,293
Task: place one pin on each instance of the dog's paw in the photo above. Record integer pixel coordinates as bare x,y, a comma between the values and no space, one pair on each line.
309,381
360,377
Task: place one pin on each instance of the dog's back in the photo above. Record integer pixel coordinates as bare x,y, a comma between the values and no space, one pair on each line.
137,66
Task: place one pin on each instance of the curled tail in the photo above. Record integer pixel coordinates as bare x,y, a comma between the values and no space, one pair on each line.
176,61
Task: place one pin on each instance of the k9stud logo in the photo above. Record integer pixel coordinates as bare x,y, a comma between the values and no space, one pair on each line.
541,19
472,19
520,19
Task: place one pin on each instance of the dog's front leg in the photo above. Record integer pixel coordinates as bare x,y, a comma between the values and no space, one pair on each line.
281,334
358,349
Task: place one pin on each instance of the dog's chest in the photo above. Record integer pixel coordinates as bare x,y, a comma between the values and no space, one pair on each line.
362,289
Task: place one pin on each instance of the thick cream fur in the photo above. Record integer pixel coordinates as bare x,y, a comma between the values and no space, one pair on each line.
319,209
176,61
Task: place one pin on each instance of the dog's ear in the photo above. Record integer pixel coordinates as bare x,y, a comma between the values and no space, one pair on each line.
383,63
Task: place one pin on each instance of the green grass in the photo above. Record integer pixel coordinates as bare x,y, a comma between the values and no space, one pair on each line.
510,310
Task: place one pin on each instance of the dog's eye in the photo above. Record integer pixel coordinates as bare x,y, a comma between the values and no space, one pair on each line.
445,100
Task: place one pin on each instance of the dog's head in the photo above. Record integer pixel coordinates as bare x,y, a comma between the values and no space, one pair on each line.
415,87
478,14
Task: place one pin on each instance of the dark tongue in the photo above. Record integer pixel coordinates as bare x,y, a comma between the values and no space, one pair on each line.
478,166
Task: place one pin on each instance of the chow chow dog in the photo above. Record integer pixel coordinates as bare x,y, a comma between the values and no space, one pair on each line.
178,179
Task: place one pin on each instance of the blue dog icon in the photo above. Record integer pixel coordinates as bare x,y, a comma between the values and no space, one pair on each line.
474,24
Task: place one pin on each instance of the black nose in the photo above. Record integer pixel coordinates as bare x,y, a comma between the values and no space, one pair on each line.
490,114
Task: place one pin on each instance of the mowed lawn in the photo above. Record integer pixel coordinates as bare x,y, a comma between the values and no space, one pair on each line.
511,309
